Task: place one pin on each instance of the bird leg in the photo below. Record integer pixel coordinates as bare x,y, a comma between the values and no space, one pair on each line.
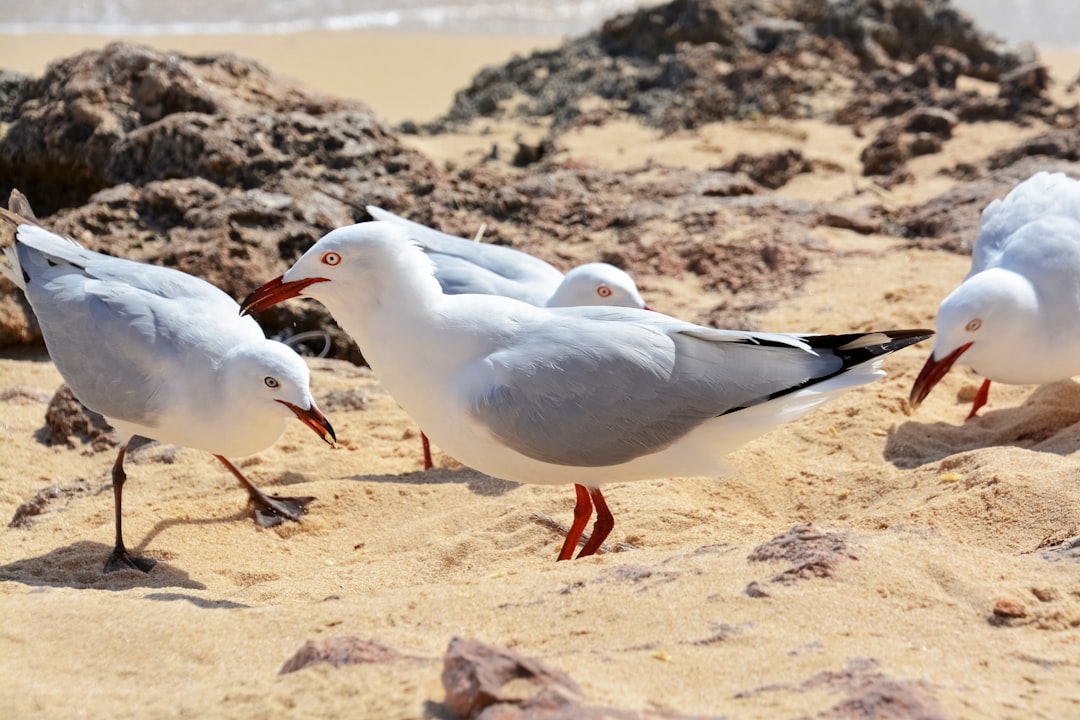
120,559
980,399
601,528
270,510
582,513
427,451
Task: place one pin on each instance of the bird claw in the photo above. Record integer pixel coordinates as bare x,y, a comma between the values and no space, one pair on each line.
121,560
272,510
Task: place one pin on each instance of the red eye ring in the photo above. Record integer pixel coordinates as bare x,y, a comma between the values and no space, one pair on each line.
973,325
331,258
603,291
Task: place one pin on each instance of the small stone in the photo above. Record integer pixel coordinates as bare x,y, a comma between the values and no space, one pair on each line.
338,651
1006,608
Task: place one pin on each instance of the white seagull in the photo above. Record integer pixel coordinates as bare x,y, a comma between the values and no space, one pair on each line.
1016,316
467,267
580,395
162,355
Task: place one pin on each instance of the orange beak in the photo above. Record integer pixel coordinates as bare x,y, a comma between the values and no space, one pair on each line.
931,373
315,420
273,292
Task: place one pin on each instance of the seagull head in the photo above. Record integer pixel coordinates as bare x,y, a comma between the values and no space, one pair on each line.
983,322
348,262
597,284
267,382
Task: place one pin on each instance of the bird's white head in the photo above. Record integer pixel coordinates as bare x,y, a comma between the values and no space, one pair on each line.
981,324
347,266
267,382
597,284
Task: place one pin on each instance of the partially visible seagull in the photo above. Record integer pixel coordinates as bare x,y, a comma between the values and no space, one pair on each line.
1016,316
161,355
470,267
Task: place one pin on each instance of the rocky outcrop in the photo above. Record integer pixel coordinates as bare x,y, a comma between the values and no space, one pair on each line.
690,62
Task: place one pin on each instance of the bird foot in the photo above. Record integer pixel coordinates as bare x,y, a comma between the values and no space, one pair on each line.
121,560
1067,545
271,510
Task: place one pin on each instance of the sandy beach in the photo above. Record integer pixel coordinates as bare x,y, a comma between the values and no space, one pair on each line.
403,76
938,590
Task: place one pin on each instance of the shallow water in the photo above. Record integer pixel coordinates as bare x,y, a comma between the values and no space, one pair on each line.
1049,23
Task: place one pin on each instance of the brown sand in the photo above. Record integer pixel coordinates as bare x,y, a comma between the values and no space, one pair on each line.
403,76
940,518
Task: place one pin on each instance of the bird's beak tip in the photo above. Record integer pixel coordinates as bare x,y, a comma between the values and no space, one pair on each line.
314,419
274,291
932,372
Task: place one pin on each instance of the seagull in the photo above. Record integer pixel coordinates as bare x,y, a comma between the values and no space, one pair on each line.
468,267
161,355
1016,316
471,267
581,395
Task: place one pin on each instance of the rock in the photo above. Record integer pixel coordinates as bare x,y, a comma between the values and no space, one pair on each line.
950,221
46,500
919,131
479,678
1006,608
812,552
935,121
887,153
689,62
339,651
72,423
772,170
1063,144
855,220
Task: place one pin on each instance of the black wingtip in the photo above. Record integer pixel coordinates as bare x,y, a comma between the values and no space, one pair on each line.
856,348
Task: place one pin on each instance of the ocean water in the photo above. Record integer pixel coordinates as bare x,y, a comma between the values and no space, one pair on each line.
159,17
1048,23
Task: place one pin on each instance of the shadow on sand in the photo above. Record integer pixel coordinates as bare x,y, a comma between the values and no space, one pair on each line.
1049,421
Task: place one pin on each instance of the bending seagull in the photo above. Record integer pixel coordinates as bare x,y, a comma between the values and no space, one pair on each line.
1016,316
580,395
162,355
469,267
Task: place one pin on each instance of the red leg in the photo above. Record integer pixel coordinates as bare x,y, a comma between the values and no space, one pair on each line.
582,513
980,399
270,510
427,451
601,528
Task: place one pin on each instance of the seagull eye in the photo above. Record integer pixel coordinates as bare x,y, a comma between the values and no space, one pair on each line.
603,291
331,258
271,382
974,325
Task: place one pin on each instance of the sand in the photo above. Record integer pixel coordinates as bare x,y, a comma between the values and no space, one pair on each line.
937,522
403,76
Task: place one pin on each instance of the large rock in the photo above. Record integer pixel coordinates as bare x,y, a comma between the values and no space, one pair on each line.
209,164
690,62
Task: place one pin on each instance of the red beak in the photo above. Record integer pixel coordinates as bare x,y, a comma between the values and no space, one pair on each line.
273,292
315,420
931,373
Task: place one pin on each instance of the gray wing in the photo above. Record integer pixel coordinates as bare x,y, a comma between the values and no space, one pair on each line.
592,387
116,328
467,267
1041,196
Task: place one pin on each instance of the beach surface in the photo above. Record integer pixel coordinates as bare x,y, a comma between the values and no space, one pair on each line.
858,562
